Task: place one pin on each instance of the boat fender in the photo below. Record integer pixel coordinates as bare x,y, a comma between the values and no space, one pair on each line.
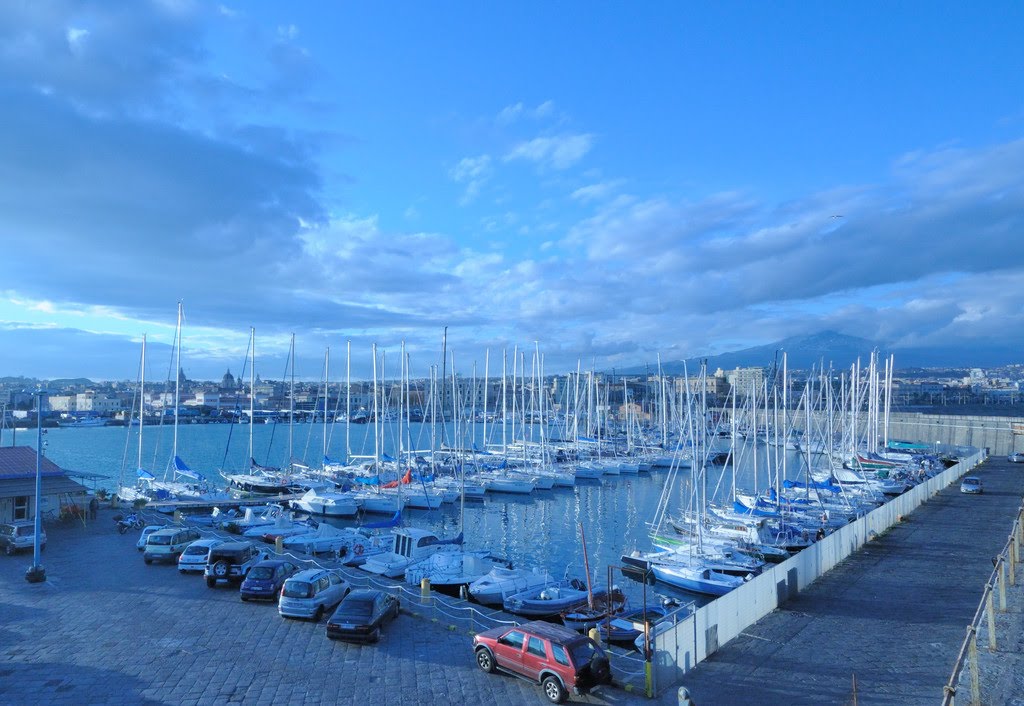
358,549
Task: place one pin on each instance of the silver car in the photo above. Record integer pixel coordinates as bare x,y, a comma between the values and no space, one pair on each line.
311,593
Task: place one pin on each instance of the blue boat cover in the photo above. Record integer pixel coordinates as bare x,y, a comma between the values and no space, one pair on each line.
142,473
182,469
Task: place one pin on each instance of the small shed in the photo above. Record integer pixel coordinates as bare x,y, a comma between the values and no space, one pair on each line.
18,485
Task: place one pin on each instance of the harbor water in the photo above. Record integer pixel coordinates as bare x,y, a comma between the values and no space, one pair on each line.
542,529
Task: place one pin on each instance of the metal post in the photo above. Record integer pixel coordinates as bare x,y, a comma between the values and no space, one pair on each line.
990,610
36,573
1002,586
1013,560
972,657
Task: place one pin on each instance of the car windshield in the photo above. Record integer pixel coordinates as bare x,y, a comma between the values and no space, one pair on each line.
25,530
583,651
972,481
298,589
351,610
262,572
158,539
197,551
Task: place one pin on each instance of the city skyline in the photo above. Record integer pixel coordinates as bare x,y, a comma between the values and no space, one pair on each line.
613,185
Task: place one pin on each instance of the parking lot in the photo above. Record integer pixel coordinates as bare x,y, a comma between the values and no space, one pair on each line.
106,628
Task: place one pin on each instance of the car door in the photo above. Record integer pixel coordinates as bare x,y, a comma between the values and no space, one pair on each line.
508,650
535,657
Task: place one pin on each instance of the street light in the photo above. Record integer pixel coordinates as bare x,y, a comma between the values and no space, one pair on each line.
36,573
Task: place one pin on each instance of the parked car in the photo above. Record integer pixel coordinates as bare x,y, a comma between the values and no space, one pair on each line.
311,593
20,536
1016,457
361,615
231,561
146,531
168,543
971,484
559,659
266,579
195,555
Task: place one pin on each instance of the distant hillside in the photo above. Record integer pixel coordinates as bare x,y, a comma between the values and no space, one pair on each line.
840,350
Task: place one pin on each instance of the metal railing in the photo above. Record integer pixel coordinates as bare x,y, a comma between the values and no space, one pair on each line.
1005,569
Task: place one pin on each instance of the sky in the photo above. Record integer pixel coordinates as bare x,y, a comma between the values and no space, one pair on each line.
602,182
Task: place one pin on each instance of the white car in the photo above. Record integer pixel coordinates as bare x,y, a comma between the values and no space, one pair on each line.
311,593
195,555
972,485
1017,457
146,531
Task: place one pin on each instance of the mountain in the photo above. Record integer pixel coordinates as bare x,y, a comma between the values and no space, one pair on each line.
840,350
802,352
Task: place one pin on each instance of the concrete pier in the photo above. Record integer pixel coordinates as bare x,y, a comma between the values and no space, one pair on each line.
892,616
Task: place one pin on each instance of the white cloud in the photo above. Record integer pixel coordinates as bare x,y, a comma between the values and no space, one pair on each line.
595,192
510,113
555,152
474,173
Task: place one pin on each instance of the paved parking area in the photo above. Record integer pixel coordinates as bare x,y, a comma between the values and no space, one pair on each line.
106,628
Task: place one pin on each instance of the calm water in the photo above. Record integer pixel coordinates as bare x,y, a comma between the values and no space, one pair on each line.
541,529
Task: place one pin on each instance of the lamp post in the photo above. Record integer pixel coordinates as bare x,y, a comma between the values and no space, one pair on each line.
36,573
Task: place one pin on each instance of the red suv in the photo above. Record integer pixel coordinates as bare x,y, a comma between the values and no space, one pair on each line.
557,658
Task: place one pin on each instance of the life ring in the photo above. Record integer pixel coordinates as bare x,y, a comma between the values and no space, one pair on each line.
358,549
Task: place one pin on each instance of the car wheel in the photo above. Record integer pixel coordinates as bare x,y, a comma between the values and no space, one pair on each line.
244,598
147,560
210,582
485,660
554,690
220,569
318,614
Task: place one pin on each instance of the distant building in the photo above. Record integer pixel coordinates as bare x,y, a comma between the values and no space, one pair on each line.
228,381
742,379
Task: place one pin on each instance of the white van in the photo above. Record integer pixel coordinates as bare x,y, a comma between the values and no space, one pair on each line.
168,544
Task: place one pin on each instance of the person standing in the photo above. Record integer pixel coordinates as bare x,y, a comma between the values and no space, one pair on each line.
94,506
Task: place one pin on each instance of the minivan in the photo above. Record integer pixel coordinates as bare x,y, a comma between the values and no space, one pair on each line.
168,544
310,593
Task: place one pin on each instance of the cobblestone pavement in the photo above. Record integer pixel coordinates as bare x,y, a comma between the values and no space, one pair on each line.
105,628
894,614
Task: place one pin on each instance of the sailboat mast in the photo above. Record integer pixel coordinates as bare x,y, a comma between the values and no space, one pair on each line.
291,404
348,400
142,397
252,386
327,393
177,382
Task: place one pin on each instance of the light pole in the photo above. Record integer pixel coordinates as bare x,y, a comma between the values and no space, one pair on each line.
36,573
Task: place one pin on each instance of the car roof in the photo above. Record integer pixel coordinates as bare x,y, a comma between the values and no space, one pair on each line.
210,542
363,594
168,530
550,631
972,478
234,546
309,574
273,562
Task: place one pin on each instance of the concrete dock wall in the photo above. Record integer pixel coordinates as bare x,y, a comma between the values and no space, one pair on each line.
994,433
700,635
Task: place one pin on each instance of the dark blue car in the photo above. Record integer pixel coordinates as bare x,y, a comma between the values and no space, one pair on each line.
361,615
266,579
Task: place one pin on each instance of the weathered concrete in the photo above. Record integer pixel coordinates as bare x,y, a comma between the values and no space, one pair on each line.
105,628
894,614
993,433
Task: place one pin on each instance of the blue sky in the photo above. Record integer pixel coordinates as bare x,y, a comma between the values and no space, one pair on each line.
612,181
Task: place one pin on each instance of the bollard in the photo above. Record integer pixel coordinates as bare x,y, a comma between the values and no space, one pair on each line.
684,698
991,621
279,544
972,656
425,590
1002,586
594,635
